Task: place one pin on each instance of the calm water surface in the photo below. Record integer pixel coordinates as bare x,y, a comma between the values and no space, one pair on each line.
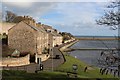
90,56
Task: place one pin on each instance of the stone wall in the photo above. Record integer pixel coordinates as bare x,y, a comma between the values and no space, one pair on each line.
70,40
68,45
22,38
43,57
15,61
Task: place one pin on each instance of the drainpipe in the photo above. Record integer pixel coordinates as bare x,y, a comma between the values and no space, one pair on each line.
36,51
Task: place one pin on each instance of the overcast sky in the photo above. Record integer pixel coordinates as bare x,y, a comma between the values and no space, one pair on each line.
77,18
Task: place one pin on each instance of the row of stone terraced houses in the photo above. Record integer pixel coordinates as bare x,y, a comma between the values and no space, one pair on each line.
36,39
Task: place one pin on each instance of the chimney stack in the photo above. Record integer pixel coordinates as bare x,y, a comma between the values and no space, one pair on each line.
29,20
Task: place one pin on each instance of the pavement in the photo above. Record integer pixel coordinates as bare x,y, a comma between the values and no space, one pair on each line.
52,62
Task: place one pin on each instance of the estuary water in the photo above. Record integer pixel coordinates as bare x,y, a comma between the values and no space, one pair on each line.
91,56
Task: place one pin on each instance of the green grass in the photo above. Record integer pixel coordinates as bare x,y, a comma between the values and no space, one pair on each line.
22,75
92,72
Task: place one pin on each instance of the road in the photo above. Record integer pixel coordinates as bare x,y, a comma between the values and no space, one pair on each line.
51,62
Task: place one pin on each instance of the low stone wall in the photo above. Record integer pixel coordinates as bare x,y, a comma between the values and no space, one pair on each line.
15,61
62,49
68,45
70,40
43,57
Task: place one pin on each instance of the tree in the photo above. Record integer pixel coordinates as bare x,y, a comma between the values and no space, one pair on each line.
13,18
111,17
109,62
10,16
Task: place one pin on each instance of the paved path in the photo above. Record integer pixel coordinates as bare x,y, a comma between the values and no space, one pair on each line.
51,62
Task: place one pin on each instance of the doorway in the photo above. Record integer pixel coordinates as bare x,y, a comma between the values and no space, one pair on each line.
39,60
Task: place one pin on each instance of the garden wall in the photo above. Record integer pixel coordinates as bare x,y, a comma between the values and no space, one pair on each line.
15,61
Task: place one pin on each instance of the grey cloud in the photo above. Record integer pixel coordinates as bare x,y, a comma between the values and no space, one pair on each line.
35,9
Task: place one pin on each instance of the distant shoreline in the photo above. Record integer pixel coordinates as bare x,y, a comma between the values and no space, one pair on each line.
95,36
98,38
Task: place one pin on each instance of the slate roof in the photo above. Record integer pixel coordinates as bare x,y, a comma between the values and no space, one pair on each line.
33,27
55,34
36,28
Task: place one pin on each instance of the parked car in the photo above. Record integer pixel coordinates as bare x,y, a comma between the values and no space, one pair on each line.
57,57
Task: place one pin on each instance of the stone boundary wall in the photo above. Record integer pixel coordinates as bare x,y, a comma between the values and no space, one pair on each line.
43,57
70,40
68,45
15,61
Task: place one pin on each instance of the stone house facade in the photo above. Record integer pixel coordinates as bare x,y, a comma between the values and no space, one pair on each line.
26,36
54,37
57,39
